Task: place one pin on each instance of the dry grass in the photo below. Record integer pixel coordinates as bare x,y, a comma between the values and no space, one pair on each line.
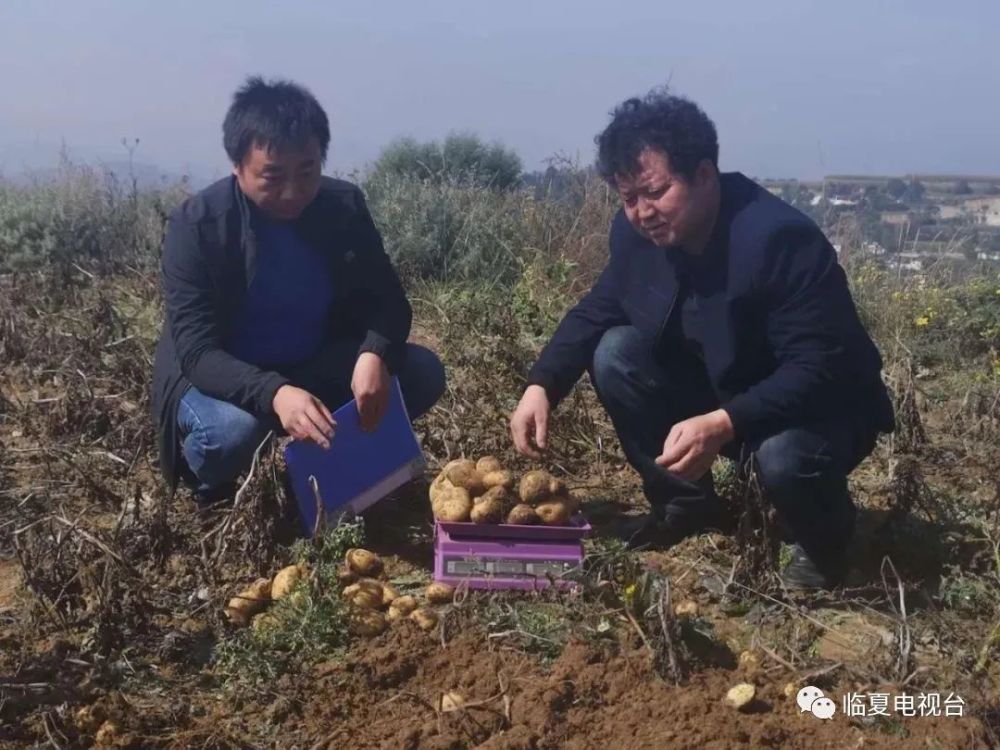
124,588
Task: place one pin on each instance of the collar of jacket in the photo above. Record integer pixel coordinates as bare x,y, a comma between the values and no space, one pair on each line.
248,238
320,221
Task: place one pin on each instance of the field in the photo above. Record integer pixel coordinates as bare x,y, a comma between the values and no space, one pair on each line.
112,632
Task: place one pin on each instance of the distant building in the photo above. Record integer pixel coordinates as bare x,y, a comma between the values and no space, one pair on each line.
873,248
983,210
818,199
895,218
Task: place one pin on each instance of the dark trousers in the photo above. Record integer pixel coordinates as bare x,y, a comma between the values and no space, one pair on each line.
803,470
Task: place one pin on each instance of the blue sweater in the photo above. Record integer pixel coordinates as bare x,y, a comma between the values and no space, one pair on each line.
283,318
777,329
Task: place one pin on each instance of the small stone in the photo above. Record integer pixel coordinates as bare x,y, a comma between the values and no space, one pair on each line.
688,608
451,701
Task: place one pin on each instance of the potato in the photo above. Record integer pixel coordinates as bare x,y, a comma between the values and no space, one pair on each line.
249,602
364,594
535,486
741,696
425,617
367,622
463,473
259,590
523,515
363,562
454,505
389,594
440,593
402,607
571,501
441,482
285,579
488,464
553,512
263,622
491,507
346,576
461,464
499,478
557,487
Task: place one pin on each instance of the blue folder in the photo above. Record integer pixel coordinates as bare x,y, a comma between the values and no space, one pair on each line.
359,468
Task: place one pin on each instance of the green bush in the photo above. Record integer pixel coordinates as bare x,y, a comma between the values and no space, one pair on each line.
452,230
461,157
82,215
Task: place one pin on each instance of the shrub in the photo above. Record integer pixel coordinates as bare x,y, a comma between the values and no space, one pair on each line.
462,156
82,215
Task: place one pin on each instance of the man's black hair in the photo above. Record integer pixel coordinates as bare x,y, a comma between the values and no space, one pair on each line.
275,115
661,121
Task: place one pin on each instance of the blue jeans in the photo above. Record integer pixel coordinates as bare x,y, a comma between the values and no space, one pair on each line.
803,470
219,439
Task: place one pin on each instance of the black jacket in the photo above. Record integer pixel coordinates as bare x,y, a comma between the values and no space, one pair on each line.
781,339
209,258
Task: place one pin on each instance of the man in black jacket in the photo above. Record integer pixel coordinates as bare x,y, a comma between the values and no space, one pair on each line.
721,324
281,303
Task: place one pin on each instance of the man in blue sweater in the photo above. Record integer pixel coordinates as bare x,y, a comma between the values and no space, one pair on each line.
721,324
281,303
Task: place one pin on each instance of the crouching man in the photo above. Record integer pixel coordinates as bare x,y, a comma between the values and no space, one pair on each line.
281,303
722,323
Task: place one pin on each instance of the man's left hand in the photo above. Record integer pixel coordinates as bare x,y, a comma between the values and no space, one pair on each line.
693,444
370,386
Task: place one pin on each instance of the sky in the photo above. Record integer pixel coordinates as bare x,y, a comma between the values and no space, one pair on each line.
797,88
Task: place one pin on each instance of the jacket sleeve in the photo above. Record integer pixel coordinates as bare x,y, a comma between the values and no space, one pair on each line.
388,312
193,322
571,348
807,307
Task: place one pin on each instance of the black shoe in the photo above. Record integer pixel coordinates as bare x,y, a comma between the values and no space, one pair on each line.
215,497
803,573
663,532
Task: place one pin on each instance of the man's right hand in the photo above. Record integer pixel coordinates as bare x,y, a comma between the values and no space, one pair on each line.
529,424
303,416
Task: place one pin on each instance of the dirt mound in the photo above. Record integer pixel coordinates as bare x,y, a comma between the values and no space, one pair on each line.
388,696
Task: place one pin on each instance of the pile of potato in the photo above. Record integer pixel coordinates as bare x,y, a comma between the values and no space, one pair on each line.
374,603
484,491
247,605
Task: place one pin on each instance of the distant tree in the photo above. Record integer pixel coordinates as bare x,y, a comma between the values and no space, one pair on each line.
993,189
896,188
914,192
461,156
962,188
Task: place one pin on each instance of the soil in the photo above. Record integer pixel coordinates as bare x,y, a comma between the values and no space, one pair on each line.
590,697
113,645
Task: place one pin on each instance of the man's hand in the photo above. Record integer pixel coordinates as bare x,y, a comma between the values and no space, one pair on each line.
303,416
530,421
370,386
693,444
